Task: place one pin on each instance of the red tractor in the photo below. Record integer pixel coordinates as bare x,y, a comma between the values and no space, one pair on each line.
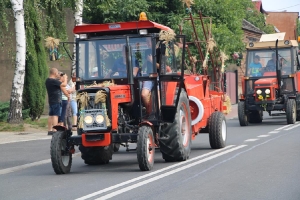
113,67
271,82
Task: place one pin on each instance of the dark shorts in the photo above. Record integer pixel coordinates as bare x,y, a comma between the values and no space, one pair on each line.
55,109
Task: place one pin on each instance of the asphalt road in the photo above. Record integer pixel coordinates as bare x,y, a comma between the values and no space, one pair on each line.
260,162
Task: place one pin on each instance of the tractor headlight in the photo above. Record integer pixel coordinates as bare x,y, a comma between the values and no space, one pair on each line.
258,91
88,119
99,119
268,91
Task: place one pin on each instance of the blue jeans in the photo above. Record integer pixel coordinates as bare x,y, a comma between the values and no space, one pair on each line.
74,107
61,118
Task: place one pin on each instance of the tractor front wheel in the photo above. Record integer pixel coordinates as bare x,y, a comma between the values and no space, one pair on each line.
61,158
291,112
175,143
217,130
145,148
243,118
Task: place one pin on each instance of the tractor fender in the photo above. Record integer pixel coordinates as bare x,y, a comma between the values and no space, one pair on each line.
200,107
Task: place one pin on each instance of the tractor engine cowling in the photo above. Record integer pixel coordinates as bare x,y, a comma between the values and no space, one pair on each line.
265,89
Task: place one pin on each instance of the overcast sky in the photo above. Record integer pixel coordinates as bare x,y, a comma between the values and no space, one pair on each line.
281,5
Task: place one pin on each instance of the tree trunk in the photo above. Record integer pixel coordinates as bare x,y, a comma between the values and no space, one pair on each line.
78,21
15,112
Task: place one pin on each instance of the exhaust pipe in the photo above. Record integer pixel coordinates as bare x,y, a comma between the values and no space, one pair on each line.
278,71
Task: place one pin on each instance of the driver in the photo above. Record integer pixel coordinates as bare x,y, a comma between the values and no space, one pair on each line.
271,65
120,66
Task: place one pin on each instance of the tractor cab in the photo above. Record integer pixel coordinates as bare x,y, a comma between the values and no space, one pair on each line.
261,68
271,81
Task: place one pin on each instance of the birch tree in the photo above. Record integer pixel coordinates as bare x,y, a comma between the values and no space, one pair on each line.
15,112
78,21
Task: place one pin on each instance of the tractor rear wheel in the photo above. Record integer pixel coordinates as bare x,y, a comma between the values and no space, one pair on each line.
255,116
298,115
61,158
145,148
217,130
243,118
175,142
291,112
96,155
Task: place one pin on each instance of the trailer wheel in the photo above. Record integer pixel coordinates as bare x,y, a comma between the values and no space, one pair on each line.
243,118
291,112
96,155
255,116
175,141
145,148
217,130
61,158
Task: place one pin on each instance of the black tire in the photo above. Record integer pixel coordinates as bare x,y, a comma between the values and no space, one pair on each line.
243,118
175,141
298,116
116,147
96,155
291,112
61,158
217,130
255,116
145,148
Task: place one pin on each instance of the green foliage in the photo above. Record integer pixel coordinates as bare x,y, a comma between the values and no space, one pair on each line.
258,20
36,66
4,109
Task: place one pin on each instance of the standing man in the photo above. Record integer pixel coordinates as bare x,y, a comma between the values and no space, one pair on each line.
54,88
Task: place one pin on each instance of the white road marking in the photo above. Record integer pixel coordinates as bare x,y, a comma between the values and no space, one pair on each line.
292,127
263,136
14,141
169,172
21,167
250,140
274,132
283,127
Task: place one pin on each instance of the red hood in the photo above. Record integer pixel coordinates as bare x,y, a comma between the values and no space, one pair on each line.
265,82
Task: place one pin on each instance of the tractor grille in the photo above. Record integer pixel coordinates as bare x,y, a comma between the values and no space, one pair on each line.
92,104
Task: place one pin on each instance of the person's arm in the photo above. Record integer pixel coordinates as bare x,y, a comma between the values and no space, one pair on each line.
63,81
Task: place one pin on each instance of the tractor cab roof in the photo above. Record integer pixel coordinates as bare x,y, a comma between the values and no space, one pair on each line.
120,28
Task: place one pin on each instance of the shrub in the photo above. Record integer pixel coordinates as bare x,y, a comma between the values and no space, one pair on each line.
4,109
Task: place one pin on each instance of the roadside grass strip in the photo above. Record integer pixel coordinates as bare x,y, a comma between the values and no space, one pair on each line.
178,167
21,167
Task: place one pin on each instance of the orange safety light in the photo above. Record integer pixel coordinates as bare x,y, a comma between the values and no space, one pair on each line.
143,16
299,39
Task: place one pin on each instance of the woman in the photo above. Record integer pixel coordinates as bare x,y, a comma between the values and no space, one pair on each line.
73,102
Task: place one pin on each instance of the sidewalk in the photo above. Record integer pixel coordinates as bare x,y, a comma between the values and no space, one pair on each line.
11,137
234,112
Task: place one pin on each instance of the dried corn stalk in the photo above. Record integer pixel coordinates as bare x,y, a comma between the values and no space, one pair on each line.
223,57
210,47
103,84
82,100
188,2
167,36
227,103
51,43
